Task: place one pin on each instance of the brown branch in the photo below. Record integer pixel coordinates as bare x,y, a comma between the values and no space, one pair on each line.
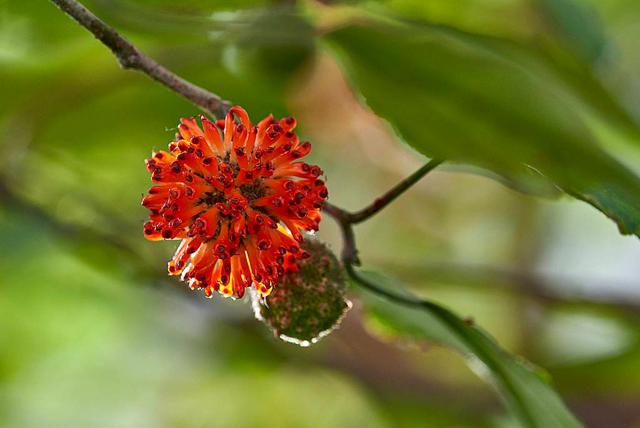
342,217
130,57
384,200
460,328
350,259
347,219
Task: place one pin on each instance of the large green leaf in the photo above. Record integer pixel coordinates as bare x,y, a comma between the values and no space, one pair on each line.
578,24
465,99
529,397
566,41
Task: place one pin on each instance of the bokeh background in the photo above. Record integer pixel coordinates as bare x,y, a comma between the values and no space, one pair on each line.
93,333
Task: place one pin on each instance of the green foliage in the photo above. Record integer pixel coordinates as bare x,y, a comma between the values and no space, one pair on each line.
272,44
458,98
530,397
578,24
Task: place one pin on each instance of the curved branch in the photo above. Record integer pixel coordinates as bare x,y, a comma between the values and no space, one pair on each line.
379,203
347,219
130,57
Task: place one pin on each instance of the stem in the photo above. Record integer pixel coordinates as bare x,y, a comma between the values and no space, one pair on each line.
403,299
346,219
343,218
130,57
388,197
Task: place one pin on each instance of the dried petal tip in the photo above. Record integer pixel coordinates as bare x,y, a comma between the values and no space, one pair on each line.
310,301
239,199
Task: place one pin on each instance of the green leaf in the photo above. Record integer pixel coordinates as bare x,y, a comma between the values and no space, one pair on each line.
571,46
578,24
460,98
527,395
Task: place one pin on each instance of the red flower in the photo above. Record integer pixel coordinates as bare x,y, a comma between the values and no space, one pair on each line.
238,196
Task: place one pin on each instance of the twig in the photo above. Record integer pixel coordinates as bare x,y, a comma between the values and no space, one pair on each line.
350,258
347,219
459,327
342,217
130,57
384,200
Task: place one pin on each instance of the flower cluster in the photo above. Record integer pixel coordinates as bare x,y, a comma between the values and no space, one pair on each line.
238,197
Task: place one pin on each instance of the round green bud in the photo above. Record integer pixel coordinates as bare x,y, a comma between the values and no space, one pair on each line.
309,303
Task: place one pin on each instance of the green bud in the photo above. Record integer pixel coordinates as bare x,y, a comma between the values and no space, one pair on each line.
308,304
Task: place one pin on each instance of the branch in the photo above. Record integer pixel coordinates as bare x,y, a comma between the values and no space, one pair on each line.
342,217
349,257
347,219
130,57
384,200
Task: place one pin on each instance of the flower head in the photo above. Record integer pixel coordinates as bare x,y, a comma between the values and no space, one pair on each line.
238,197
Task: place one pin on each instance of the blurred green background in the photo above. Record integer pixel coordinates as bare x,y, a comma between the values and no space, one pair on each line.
93,333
